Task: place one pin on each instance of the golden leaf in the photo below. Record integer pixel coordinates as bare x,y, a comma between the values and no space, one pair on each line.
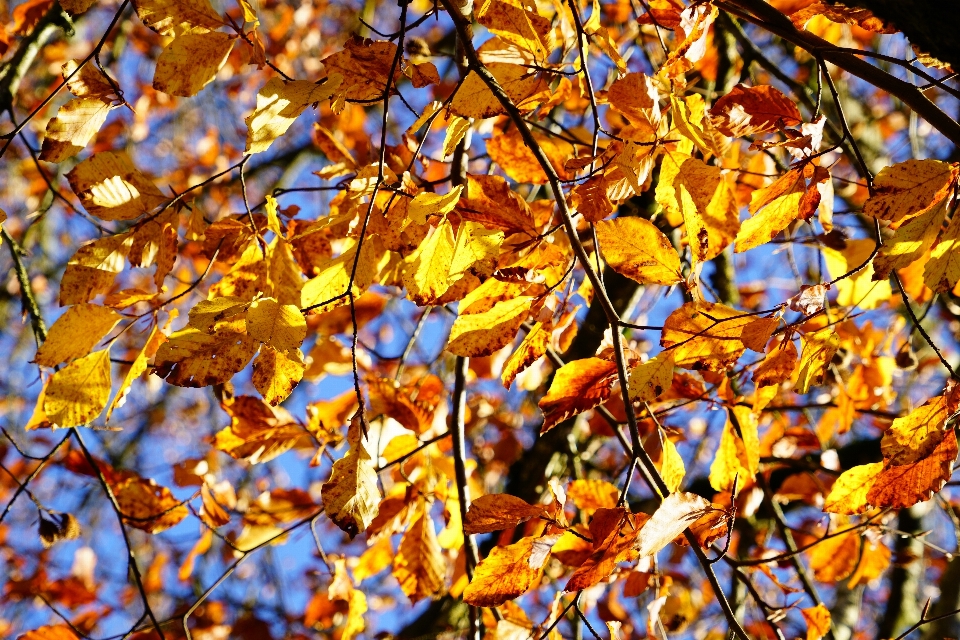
75,333
419,565
576,387
910,242
672,469
533,347
475,100
280,326
752,110
509,151
276,373
849,493
778,366
154,340
593,494
818,621
79,392
835,558
859,289
518,24
494,512
93,268
111,188
874,560
509,572
72,129
648,380
279,103
206,314
257,433
481,334
351,497
51,632
909,188
427,270
943,269
490,201
902,486
191,61
738,456
757,333
778,205
704,335
192,358
915,435
634,247
176,17
426,204
819,348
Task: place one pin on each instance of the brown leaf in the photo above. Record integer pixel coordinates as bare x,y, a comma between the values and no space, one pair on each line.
677,512
752,110
419,566
494,512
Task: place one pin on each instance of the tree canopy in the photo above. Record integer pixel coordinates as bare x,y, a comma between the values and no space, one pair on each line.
499,319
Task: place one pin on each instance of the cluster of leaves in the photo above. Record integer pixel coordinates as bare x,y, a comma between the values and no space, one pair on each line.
656,328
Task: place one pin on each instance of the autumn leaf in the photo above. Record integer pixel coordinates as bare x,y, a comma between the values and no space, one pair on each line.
904,485
257,433
191,61
738,457
279,103
849,493
778,366
635,248
75,333
475,100
79,392
351,496
364,66
942,271
650,379
518,24
835,558
614,533
280,326
72,129
192,358
909,188
147,505
773,209
276,373
419,566
533,347
859,289
675,513
593,494
819,348
112,188
481,334
137,368
704,335
54,632
509,572
910,241
748,111
916,435
577,386
494,512
818,621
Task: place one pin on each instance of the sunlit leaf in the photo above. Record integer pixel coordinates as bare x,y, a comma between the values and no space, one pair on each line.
635,248
351,497
79,392
75,333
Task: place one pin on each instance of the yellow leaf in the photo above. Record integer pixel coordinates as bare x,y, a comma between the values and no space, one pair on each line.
72,129
775,214
351,497
509,572
111,188
474,100
909,188
818,350
426,204
915,435
593,494
456,129
481,334
154,340
207,313
280,326
634,247
576,387
533,347
426,272
276,373
328,289
704,335
375,559
672,470
192,358
175,17
257,433
849,493
675,513
93,268
494,512
518,24
737,459
279,103
859,289
943,269
249,14
79,392
700,194
910,241
648,380
419,566
191,61
777,366
835,558
818,621
75,333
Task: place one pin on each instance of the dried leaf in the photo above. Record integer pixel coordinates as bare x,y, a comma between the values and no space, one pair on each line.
257,432
494,512
192,358
751,110
419,565
351,497
909,188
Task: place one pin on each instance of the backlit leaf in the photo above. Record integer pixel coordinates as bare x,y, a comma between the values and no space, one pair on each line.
351,497
72,129
577,386
675,513
111,188
909,188
481,334
494,512
279,103
818,350
860,288
192,358
419,566
648,380
635,248
276,373
79,392
849,493
752,110
509,572
75,333
280,326
257,433
191,61
902,486
704,335
943,269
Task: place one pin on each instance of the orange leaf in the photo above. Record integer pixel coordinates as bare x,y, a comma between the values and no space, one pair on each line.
509,572
752,110
705,335
494,512
902,486
577,386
